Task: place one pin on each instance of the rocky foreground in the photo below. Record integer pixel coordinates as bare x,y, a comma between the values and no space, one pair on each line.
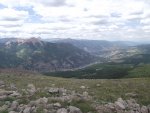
58,100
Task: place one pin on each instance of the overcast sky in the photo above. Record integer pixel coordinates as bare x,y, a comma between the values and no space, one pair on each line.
87,19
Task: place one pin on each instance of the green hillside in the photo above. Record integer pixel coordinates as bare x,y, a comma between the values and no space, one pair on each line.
106,71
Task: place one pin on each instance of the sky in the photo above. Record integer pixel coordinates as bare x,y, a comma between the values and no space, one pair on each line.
127,20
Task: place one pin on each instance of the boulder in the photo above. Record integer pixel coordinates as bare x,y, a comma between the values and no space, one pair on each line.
148,107
98,85
121,104
132,105
3,108
58,105
13,87
44,100
53,90
85,94
82,87
31,89
3,97
144,109
27,110
4,92
14,105
62,92
73,109
15,94
62,110
2,84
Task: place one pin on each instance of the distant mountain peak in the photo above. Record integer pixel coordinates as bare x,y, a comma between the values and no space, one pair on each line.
33,40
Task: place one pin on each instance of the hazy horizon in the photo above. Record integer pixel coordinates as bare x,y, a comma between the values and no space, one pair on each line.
112,20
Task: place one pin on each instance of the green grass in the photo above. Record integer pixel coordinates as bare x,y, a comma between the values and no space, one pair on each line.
84,106
97,71
140,71
108,91
5,111
107,71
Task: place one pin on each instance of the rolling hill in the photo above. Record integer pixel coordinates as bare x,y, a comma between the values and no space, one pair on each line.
97,47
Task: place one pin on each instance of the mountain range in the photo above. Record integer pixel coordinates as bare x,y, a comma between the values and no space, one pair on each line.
34,54
66,54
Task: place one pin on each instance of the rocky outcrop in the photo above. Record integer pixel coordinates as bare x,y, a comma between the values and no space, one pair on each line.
58,100
122,106
50,104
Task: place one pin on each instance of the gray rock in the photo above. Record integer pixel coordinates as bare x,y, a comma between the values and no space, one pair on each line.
43,100
73,109
62,110
85,94
58,105
82,87
144,109
13,87
148,107
12,112
33,109
110,105
3,108
21,108
31,89
120,103
4,92
53,90
2,83
131,94
15,94
49,106
27,110
3,97
62,91
98,85
132,105
14,105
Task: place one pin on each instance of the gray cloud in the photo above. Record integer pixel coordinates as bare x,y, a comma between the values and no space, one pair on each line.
101,22
137,13
10,19
116,15
98,16
55,3
64,19
11,25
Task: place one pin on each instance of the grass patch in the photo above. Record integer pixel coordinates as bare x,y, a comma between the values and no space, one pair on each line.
97,71
84,106
140,71
5,111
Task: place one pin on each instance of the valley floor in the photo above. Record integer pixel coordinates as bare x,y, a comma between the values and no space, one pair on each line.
102,91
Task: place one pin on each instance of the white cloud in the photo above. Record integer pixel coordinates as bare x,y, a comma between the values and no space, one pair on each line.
9,14
99,19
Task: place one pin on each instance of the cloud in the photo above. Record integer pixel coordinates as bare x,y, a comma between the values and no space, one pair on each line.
99,19
54,3
11,21
101,22
9,14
